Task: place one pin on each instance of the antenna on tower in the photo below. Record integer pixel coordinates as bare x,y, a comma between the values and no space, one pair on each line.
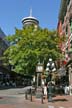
31,12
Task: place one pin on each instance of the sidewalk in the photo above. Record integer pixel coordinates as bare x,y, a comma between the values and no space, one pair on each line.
13,98
63,101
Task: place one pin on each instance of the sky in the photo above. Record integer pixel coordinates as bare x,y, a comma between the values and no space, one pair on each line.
13,11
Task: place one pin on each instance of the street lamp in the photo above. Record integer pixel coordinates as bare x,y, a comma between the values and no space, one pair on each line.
50,68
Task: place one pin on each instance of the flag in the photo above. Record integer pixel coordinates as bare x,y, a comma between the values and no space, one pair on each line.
59,28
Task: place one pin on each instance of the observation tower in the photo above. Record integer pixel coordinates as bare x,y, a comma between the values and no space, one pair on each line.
26,21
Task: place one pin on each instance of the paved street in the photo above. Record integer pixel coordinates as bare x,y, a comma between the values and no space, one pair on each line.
14,91
15,98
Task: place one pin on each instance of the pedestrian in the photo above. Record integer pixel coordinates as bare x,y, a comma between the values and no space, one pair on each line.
45,89
66,90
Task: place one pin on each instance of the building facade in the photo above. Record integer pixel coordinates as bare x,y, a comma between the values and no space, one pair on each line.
3,44
65,29
65,24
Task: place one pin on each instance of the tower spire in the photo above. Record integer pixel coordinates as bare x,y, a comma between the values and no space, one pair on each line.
30,12
30,20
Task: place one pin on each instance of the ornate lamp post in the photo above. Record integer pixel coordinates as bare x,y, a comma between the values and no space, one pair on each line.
50,68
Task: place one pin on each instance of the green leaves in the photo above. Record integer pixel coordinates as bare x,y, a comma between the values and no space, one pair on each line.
28,46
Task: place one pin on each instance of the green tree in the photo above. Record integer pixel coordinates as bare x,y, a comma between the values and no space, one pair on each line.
30,45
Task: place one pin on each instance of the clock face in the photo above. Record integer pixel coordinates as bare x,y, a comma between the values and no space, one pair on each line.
39,69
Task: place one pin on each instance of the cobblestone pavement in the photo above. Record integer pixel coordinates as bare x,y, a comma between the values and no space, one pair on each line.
14,98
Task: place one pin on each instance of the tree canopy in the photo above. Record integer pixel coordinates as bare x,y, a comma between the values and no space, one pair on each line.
30,45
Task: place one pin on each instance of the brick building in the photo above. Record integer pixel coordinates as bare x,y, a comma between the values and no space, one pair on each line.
65,29
65,25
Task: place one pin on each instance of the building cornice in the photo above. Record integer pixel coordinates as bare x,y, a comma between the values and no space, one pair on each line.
63,9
